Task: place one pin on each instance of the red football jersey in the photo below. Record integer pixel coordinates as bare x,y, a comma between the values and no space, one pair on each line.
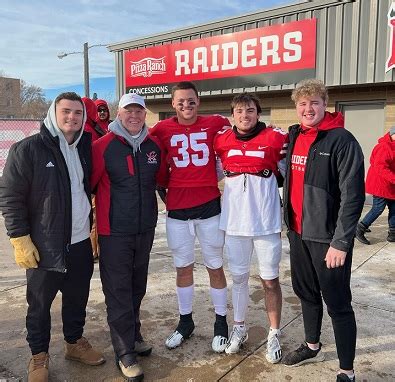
262,152
191,158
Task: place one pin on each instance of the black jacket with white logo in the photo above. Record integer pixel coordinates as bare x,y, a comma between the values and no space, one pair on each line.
334,188
35,194
125,183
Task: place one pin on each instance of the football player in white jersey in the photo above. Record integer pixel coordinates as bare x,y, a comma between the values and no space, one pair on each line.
252,156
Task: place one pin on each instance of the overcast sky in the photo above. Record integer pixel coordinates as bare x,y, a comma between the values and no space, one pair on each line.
34,32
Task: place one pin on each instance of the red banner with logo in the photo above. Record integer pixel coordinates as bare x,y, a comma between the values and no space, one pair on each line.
267,50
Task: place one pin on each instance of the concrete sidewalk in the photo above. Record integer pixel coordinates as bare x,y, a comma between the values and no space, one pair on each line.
373,293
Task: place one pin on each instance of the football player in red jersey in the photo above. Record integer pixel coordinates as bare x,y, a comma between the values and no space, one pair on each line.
193,205
252,155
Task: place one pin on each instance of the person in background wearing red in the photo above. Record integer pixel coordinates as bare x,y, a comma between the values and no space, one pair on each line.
103,115
380,182
324,195
92,124
92,127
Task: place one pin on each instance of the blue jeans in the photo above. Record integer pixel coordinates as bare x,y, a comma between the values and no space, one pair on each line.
377,209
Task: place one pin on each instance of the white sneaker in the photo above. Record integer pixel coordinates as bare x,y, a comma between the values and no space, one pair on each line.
186,326
219,344
273,349
174,340
236,339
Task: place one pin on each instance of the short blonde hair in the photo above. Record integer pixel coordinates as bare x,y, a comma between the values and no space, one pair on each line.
310,88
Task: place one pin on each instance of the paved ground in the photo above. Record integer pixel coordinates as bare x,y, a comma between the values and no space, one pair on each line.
373,290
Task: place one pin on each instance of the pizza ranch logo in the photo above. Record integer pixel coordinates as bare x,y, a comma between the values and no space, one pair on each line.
152,157
391,22
147,67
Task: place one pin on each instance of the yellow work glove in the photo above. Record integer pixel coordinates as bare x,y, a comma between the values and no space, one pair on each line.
26,253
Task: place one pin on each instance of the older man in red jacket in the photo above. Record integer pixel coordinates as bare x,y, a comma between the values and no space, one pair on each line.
380,182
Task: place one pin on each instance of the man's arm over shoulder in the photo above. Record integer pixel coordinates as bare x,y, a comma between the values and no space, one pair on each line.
221,122
351,172
219,140
15,187
157,129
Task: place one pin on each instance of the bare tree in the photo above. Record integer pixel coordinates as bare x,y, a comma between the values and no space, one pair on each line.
113,107
33,102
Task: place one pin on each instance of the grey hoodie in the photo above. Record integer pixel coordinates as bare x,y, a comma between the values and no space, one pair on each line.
79,201
134,140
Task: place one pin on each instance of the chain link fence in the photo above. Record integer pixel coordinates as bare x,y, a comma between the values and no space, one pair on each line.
13,130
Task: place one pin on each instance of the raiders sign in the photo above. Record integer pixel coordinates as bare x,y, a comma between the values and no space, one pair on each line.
273,55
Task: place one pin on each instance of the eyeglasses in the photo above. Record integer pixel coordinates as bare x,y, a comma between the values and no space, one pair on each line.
102,111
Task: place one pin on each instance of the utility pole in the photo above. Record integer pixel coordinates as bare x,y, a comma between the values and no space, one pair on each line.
86,69
86,63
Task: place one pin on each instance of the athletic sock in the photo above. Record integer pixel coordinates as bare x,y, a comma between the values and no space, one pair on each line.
350,376
219,299
273,332
313,348
185,299
241,327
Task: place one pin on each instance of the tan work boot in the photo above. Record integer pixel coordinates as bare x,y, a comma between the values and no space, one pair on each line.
38,368
82,351
132,373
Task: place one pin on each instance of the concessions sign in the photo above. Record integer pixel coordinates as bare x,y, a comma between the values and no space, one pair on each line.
273,55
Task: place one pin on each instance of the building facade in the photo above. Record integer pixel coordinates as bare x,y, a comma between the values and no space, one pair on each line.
348,44
10,97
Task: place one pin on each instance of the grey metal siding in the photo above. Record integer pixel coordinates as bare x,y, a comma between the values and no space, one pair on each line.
353,39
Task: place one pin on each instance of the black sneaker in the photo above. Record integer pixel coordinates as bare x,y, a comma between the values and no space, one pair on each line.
303,354
342,377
